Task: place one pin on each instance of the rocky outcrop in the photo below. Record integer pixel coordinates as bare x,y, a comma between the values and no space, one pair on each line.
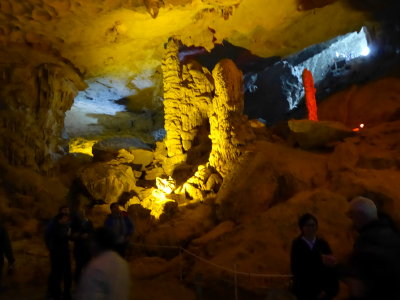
229,128
314,134
35,92
133,150
107,181
188,90
191,106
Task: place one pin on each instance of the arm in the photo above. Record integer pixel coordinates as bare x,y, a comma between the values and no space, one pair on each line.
296,258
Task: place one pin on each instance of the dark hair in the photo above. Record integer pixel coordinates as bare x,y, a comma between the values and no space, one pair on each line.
113,204
305,218
61,215
104,238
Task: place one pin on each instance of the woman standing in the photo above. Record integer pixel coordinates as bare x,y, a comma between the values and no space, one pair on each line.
311,263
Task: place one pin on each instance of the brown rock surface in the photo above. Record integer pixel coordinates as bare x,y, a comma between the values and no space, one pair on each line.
107,181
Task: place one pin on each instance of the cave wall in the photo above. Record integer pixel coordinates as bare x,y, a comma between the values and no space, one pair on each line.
35,92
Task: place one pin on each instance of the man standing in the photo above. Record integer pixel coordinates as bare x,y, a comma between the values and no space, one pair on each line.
374,266
57,241
121,225
5,250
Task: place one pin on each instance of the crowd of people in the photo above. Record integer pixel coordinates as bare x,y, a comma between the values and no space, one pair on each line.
371,272
100,269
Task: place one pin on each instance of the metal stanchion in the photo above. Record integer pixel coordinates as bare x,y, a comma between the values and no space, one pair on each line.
180,264
235,279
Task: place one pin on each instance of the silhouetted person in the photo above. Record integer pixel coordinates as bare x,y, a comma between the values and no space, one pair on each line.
81,229
107,275
5,251
122,227
64,209
373,271
57,241
311,263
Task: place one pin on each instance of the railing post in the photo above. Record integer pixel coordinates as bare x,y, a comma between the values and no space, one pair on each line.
235,280
180,264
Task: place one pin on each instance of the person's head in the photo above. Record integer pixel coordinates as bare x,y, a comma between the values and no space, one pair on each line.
114,207
103,239
308,225
64,210
362,211
63,218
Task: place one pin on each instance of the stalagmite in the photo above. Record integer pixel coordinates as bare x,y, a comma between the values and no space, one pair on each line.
229,128
188,89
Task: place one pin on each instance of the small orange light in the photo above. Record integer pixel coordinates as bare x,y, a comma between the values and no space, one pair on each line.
356,129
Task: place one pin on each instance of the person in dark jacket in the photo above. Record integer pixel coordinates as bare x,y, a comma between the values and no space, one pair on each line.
57,241
121,225
5,251
81,230
373,271
312,263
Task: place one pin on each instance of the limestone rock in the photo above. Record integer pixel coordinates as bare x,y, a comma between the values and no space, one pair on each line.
204,181
359,104
229,128
188,90
107,149
107,182
190,222
142,157
149,267
271,174
215,233
311,134
152,174
34,94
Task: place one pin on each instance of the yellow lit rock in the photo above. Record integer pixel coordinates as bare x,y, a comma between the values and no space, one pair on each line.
156,202
229,128
107,181
81,145
188,91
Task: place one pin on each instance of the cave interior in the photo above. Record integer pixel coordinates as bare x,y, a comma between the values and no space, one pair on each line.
194,116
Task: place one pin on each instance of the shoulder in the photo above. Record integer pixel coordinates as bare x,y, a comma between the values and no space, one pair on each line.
298,242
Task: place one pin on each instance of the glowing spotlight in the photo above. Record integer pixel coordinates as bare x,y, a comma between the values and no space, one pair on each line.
361,126
365,51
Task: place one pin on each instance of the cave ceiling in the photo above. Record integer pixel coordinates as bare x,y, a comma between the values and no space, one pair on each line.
127,37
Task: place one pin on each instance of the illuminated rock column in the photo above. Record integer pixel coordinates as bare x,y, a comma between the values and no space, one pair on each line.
188,90
34,95
311,103
229,128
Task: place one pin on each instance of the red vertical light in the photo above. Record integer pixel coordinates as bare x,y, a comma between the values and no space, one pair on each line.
311,103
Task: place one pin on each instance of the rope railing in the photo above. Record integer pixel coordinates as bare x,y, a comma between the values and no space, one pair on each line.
233,271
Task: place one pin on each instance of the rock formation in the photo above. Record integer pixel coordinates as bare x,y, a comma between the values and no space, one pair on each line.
192,105
188,90
35,92
229,129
